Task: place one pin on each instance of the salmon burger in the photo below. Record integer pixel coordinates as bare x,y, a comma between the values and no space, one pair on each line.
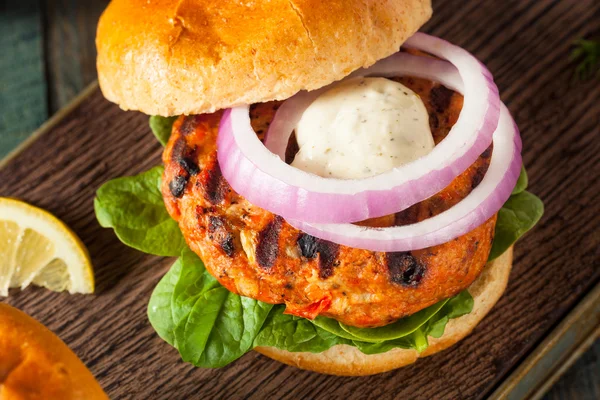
342,192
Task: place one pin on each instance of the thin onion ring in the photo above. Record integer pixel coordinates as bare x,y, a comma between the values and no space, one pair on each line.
266,181
480,205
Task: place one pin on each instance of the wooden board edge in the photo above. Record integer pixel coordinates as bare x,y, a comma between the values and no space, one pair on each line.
556,353
49,124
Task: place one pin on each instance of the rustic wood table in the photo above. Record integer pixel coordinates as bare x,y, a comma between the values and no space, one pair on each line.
47,57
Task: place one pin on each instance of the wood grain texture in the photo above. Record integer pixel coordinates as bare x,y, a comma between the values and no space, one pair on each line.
525,44
70,50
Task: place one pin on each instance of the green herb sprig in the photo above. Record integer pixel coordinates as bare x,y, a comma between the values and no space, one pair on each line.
587,54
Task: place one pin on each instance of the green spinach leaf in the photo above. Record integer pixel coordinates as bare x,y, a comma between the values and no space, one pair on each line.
133,206
398,329
233,333
210,326
193,331
295,334
193,281
457,306
518,215
160,306
587,54
334,327
522,182
416,340
383,347
162,127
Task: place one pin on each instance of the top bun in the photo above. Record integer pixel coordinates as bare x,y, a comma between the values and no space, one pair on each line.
36,364
172,57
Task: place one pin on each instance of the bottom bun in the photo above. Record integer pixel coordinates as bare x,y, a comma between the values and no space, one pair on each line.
36,364
349,361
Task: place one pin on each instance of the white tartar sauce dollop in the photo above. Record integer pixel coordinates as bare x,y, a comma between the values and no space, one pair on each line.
362,127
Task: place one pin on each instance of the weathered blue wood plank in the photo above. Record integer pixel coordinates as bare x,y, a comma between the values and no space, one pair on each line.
23,104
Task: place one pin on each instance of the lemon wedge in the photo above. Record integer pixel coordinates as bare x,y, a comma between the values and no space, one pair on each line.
37,248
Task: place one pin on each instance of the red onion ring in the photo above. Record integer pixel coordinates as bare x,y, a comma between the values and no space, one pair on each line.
480,205
266,181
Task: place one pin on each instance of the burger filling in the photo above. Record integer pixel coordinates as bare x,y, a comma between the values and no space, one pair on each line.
246,277
257,254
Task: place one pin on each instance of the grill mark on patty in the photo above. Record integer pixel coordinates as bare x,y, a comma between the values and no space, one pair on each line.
310,247
328,253
404,269
184,156
440,97
215,186
481,169
434,122
188,164
177,185
478,176
218,232
307,245
180,149
189,124
408,216
267,248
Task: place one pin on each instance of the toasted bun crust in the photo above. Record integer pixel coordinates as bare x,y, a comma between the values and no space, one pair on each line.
36,364
174,57
347,360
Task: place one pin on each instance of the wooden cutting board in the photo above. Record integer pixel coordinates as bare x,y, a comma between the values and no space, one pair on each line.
525,44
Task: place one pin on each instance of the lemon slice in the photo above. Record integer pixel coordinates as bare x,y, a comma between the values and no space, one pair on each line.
36,247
